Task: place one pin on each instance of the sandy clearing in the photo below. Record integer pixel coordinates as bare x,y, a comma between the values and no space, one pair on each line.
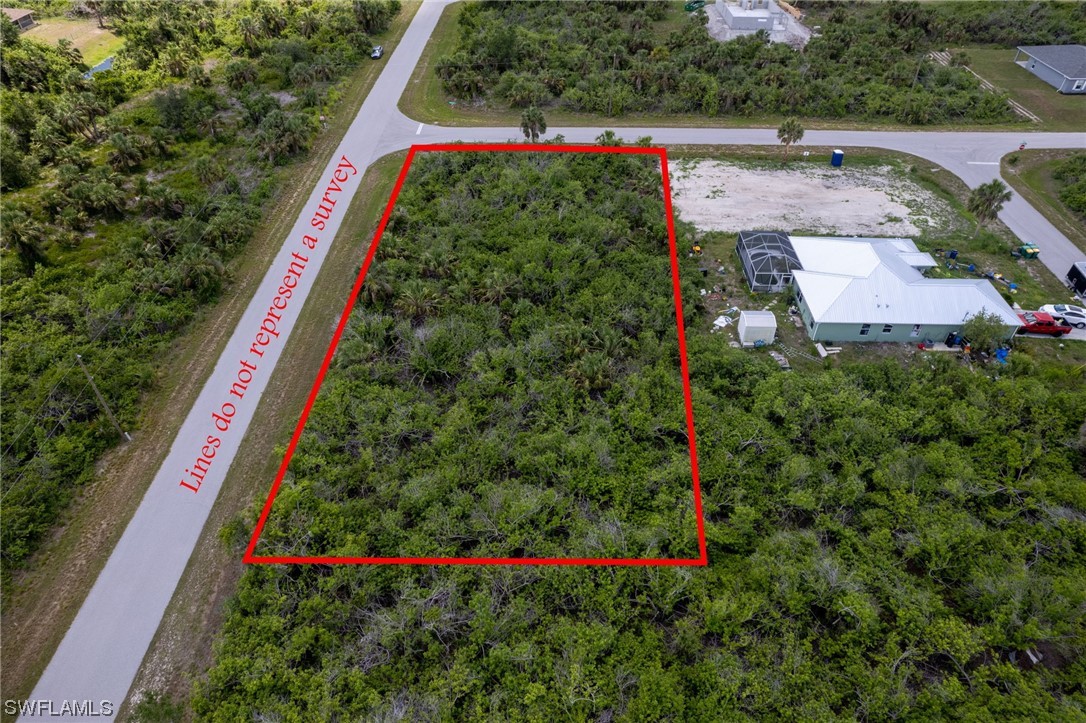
879,201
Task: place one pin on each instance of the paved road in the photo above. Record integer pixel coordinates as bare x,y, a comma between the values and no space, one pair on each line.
973,157
101,652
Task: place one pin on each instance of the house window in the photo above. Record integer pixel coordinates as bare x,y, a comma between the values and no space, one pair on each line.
1079,85
915,331
887,328
865,330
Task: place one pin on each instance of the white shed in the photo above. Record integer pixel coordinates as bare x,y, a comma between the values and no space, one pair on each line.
757,327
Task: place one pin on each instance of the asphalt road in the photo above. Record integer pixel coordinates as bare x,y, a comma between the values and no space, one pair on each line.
972,156
102,650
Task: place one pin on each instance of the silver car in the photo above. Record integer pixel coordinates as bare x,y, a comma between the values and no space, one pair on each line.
378,52
1073,315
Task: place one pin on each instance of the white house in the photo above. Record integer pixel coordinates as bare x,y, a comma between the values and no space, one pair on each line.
873,289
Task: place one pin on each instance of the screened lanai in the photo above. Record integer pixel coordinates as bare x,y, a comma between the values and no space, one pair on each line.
768,260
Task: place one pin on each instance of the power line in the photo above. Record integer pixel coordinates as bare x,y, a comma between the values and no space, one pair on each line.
101,399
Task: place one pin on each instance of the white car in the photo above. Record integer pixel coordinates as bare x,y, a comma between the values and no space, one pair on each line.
1073,315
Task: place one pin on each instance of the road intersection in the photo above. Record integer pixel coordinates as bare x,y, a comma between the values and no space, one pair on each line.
101,653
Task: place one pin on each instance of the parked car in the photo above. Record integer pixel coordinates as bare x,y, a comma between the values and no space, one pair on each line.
378,52
1038,322
694,5
1073,315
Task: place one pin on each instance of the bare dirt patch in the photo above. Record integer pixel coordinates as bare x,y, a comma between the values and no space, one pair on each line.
865,201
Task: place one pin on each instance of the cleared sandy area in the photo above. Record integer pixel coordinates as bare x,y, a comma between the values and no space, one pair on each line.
879,201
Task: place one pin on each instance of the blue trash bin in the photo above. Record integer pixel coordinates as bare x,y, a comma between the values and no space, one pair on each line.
838,158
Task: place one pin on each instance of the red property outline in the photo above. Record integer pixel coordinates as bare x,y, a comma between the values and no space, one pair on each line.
700,561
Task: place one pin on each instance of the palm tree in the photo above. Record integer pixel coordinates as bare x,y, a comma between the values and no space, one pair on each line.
416,299
200,271
161,141
25,236
47,138
127,152
369,15
240,73
986,201
174,61
496,285
532,123
302,75
251,32
375,289
106,198
207,170
296,133
308,23
273,20
790,132
591,372
162,200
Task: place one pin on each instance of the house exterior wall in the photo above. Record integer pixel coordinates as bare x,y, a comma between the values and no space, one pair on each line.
1069,84
1054,78
897,333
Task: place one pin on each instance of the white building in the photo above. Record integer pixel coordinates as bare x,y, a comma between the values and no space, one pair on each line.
872,289
757,328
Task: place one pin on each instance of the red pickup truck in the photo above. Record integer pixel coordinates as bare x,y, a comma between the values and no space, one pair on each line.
1038,322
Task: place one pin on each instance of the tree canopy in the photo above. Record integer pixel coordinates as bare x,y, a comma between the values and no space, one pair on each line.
869,61
118,225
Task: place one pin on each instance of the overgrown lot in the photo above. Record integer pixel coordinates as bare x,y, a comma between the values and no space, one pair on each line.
509,385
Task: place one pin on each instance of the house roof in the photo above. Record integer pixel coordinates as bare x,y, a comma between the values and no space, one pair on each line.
758,318
1068,60
878,281
16,14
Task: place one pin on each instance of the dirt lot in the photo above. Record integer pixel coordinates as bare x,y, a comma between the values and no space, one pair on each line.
94,42
865,201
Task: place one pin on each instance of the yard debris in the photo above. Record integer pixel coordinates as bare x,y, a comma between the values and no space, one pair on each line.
781,360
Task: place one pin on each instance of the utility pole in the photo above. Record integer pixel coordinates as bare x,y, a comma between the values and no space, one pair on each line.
101,399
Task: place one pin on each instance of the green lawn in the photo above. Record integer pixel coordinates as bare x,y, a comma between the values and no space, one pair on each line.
94,42
1031,177
1058,112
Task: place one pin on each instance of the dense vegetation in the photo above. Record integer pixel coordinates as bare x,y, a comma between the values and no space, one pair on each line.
128,193
614,58
885,542
1070,174
509,385
986,22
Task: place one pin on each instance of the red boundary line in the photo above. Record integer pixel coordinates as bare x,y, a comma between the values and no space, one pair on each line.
703,557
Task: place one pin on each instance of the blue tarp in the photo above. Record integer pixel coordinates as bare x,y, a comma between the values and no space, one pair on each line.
106,64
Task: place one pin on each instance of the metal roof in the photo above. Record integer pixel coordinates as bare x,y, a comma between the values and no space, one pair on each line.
871,281
1069,60
16,14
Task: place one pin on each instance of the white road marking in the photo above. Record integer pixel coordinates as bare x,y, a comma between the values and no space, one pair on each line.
419,130
983,163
